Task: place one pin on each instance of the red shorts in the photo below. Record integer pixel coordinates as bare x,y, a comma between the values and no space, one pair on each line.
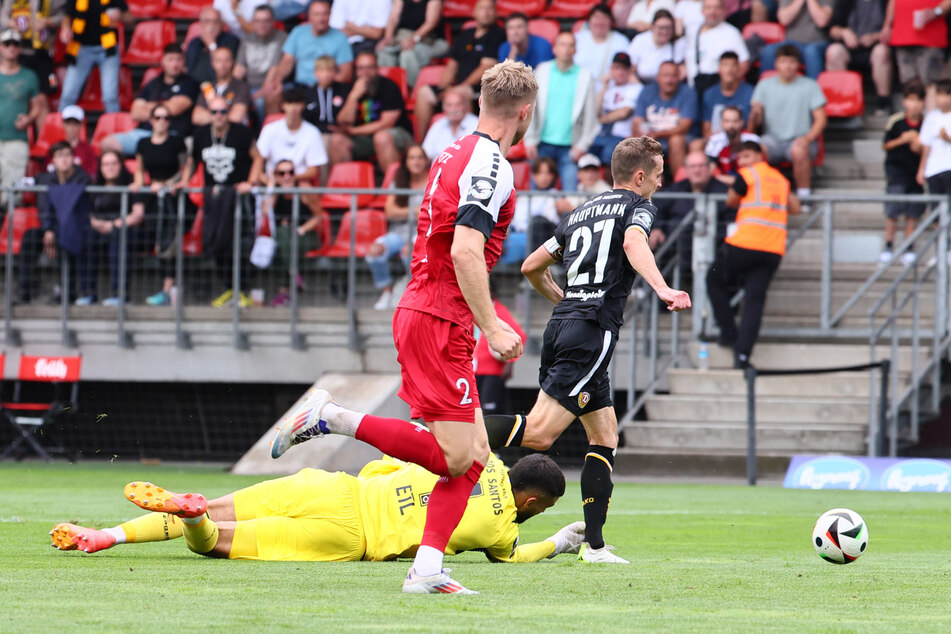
435,359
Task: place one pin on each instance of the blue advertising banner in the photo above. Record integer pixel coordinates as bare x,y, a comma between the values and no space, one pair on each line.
868,474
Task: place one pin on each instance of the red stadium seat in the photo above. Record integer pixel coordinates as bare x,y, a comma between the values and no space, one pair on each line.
771,32
191,242
323,230
523,175
379,202
186,9
51,133
349,175
397,75
91,99
194,30
149,75
148,40
371,224
457,8
543,27
844,94
271,118
517,152
147,8
570,8
197,180
24,218
681,174
111,123
428,76
531,8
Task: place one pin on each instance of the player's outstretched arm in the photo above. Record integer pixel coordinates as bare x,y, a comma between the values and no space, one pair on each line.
536,268
642,259
567,540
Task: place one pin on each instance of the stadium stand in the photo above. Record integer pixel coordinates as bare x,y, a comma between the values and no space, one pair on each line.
349,175
371,224
148,39
51,132
543,27
530,8
24,219
844,92
147,8
771,32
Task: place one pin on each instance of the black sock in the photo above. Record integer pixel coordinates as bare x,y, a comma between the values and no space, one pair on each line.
505,430
596,487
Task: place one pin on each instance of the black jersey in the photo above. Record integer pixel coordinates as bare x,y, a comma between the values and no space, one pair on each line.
590,242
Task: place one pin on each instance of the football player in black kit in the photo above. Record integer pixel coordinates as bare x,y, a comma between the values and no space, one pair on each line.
603,244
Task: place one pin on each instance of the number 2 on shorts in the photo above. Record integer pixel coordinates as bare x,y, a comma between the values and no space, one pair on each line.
462,384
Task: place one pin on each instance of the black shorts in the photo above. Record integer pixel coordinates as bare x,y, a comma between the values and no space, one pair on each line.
909,210
576,354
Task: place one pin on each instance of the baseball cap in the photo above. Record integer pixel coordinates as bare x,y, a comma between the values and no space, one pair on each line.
622,58
73,112
10,35
588,160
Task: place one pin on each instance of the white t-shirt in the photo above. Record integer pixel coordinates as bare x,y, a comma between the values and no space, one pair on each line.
304,147
245,9
527,208
621,97
440,134
713,43
648,57
596,58
643,12
363,13
690,13
939,156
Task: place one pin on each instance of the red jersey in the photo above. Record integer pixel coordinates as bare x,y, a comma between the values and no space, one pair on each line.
470,184
718,150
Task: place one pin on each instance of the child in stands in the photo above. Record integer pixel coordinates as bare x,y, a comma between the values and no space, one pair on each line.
902,156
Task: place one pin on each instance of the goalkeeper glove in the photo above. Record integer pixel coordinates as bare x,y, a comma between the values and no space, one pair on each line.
568,539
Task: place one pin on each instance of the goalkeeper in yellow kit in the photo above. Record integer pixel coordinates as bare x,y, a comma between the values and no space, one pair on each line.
314,515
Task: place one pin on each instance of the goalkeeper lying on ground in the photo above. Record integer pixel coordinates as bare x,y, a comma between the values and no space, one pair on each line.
319,516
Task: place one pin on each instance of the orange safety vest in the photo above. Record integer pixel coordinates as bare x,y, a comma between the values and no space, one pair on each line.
761,217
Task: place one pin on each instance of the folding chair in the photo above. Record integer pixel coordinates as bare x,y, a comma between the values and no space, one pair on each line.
61,374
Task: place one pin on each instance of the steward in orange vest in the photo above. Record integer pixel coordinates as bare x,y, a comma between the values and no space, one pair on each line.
750,255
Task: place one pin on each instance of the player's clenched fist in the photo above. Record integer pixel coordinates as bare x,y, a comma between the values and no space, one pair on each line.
675,300
504,343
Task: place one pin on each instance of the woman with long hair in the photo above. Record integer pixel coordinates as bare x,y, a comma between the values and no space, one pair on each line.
401,213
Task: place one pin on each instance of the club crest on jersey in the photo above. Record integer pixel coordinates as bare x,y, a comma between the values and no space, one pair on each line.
583,399
481,189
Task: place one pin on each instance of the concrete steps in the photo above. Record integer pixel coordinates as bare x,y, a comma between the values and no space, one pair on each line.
770,438
718,382
804,409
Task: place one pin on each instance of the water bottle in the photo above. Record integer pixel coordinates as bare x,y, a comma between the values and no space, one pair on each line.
703,357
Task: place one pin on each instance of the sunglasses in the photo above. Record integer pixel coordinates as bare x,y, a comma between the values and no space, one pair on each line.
219,112
160,117
284,173
10,43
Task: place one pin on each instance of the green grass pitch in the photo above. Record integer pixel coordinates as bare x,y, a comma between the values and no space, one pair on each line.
704,558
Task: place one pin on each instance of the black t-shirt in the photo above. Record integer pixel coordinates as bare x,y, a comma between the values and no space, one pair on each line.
901,164
386,97
109,206
157,90
92,33
227,159
284,211
413,15
469,51
590,243
162,161
323,104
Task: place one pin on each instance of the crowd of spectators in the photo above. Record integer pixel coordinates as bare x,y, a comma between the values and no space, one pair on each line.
277,93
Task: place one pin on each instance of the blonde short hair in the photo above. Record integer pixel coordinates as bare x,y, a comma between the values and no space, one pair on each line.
507,86
325,61
633,154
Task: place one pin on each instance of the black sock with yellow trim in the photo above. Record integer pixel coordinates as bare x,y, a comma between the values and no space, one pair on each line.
505,430
596,488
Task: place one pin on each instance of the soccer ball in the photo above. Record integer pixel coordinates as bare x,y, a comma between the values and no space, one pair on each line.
840,536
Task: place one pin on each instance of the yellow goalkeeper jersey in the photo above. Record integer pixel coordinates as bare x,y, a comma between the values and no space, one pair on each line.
393,501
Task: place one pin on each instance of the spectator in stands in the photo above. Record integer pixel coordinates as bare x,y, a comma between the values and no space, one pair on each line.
616,102
535,217
279,208
235,91
722,147
805,22
490,372
304,45
666,111
672,211
85,157
363,22
19,108
89,33
211,38
642,13
174,90
38,25
791,110
589,184
855,31
935,137
226,150
565,123
373,120
260,51
473,52
521,45
401,213
651,48
688,16
902,147
325,98
106,227
411,39
597,44
731,91
294,139
63,219
708,43
458,122
238,15
920,39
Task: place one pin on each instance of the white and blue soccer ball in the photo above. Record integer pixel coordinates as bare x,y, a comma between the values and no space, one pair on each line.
840,536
